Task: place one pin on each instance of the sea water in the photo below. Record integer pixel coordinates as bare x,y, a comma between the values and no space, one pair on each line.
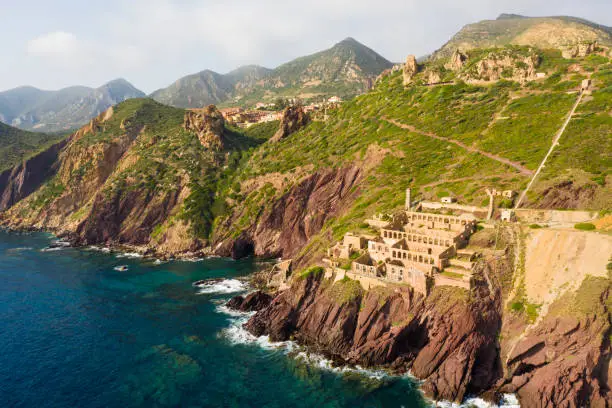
75,332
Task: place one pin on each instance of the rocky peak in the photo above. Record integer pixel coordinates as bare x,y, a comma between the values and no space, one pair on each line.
457,61
95,124
209,125
410,69
294,118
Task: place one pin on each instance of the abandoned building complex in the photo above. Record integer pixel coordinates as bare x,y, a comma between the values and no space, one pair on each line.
413,247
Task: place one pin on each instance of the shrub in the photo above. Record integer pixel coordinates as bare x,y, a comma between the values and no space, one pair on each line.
585,226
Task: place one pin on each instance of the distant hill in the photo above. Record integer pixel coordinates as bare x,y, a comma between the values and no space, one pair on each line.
541,32
346,69
17,145
51,111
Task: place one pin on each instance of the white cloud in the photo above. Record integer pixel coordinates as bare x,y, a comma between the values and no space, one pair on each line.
57,43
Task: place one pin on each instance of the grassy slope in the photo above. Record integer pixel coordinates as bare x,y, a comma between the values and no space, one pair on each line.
17,145
513,121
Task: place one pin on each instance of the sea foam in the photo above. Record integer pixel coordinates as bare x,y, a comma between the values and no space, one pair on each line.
222,286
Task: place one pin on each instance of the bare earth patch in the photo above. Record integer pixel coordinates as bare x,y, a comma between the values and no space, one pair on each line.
559,260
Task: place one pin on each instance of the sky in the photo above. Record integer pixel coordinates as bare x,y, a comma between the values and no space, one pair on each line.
152,43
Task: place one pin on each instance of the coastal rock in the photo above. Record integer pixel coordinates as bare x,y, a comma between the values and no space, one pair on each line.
209,125
294,118
252,302
565,360
410,69
444,339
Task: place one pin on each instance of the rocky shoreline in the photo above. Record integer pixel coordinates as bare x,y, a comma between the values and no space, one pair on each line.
453,341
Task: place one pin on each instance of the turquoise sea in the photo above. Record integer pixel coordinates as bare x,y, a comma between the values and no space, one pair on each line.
77,333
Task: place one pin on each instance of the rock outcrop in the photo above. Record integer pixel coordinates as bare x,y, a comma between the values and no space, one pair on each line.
23,179
209,125
294,118
410,69
252,302
446,340
504,64
298,215
459,343
457,61
578,50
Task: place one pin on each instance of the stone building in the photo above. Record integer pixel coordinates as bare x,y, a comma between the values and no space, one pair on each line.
412,247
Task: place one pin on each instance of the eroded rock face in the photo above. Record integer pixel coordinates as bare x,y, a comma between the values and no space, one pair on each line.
294,118
286,226
565,361
23,179
457,61
209,125
252,302
410,69
444,339
579,50
503,65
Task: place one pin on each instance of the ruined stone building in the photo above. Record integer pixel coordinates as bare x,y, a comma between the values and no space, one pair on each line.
412,247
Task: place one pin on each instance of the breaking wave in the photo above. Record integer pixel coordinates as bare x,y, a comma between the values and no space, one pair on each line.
221,286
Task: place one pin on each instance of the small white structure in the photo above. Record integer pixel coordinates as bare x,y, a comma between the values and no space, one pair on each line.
448,200
540,75
586,84
507,215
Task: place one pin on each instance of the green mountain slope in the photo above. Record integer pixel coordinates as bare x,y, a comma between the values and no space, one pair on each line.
17,145
454,139
541,32
69,108
173,181
346,69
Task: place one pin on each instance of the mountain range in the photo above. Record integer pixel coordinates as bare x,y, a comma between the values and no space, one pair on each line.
346,69
56,111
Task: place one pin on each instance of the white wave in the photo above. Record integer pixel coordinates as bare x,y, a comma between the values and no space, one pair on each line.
99,248
236,334
507,401
19,249
191,259
223,286
53,249
326,364
130,255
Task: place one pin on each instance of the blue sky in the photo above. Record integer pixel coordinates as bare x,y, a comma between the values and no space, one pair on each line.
151,43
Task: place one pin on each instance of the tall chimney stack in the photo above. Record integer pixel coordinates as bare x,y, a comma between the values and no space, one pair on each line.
408,199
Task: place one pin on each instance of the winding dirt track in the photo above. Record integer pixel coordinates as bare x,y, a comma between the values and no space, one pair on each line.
524,170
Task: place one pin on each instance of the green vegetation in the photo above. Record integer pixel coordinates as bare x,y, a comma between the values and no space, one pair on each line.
590,299
452,275
345,291
314,271
585,226
17,145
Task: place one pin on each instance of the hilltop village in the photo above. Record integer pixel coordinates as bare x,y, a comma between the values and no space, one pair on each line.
270,112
